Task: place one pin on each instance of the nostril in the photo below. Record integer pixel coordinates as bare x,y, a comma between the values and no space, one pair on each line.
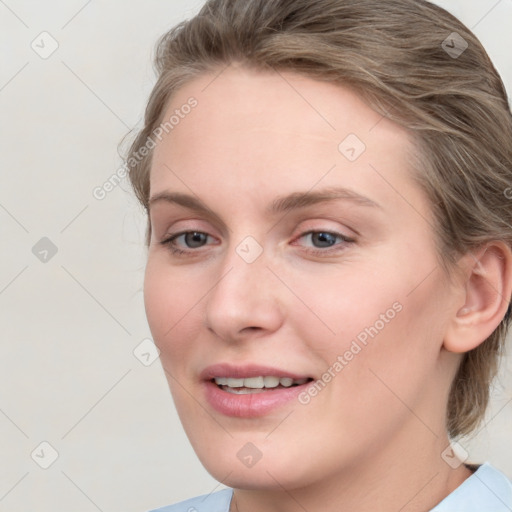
251,328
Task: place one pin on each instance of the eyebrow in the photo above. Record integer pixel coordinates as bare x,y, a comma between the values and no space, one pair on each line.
283,204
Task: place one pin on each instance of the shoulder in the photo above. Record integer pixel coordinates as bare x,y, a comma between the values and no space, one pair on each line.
214,502
487,489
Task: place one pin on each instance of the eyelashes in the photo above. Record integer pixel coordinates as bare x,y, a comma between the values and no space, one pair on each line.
197,238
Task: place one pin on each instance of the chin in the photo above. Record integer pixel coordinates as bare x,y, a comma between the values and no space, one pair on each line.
272,467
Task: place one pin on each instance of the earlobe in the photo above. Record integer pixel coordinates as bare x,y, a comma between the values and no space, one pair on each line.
486,294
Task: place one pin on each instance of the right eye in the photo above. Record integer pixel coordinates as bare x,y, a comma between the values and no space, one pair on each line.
191,239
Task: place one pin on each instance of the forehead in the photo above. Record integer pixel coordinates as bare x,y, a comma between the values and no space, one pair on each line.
275,129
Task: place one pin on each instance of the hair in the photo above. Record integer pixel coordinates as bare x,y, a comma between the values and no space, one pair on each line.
396,55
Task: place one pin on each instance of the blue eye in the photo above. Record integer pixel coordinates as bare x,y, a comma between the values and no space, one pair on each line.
323,241
192,239
323,238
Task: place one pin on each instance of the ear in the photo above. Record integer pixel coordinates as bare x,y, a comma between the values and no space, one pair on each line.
486,294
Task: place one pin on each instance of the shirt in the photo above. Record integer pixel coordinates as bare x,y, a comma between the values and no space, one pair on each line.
486,490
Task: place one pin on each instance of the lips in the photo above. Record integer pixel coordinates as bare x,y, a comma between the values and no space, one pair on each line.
246,371
250,390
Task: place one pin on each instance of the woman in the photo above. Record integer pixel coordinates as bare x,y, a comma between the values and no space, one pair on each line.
329,251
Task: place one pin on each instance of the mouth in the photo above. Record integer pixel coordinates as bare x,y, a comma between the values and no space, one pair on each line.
259,384
249,390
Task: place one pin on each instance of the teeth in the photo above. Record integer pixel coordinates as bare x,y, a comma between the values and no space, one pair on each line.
235,383
257,382
253,382
271,382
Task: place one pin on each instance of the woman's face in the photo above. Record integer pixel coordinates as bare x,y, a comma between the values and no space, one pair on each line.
309,260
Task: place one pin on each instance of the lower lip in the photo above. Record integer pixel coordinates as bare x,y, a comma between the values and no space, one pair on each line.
252,404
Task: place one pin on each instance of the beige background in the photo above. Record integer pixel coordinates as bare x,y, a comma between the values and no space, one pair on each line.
69,325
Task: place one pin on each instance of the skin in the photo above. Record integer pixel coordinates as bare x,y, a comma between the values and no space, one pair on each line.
375,434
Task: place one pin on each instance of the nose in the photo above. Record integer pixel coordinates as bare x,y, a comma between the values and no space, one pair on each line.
245,301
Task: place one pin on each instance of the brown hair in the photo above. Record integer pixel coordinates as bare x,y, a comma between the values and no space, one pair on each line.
409,61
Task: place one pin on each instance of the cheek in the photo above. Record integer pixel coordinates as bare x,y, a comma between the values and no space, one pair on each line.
376,320
172,304
396,361
352,304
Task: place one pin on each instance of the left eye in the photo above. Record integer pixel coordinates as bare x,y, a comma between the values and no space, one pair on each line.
324,239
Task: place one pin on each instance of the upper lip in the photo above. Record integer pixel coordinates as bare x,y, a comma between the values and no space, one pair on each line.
246,371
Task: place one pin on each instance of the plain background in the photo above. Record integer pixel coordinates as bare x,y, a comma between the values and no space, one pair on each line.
70,325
